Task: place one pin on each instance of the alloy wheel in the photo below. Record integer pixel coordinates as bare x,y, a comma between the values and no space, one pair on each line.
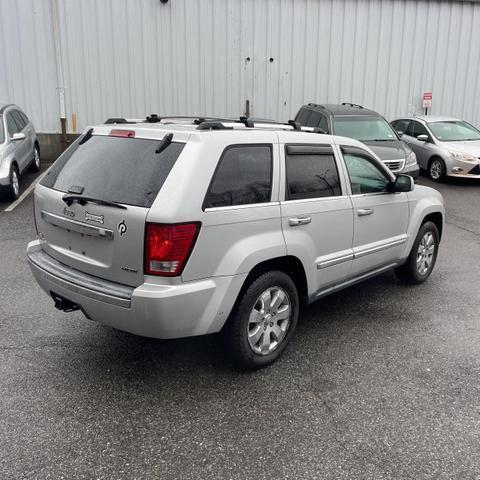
269,320
15,183
37,159
436,169
425,252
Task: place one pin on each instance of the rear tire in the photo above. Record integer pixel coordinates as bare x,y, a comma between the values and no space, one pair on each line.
437,170
35,166
263,321
422,258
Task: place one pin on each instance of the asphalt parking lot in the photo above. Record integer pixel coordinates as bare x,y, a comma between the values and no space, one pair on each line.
381,382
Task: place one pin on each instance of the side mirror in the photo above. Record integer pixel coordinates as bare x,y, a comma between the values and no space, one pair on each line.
18,136
399,133
403,183
423,138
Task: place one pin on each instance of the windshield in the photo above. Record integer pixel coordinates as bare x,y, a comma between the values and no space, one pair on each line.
113,169
364,128
2,132
454,131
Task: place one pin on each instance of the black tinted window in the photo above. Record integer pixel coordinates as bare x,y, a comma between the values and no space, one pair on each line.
311,175
123,170
303,116
401,125
12,126
243,176
314,119
18,120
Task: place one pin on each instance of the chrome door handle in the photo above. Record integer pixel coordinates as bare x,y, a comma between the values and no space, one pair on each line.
295,221
362,212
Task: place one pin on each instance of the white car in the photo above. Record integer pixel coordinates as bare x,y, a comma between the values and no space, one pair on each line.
170,228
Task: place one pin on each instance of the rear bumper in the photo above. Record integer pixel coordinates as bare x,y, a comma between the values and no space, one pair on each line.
151,310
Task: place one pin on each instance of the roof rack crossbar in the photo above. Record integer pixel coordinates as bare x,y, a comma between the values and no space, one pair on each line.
352,104
213,125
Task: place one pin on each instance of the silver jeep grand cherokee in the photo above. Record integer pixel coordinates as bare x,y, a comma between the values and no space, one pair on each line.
172,228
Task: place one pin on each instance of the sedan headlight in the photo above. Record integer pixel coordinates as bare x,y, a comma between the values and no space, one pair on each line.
411,159
461,156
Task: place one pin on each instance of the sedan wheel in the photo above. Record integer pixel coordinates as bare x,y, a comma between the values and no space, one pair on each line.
436,170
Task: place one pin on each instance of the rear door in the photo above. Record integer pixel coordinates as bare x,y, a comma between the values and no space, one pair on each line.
317,219
380,217
103,240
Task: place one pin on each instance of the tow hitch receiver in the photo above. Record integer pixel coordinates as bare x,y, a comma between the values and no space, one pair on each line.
63,304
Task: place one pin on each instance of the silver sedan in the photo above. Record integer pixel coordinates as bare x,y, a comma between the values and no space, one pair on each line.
444,146
19,149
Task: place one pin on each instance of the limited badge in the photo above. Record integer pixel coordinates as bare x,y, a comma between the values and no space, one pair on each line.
94,218
122,228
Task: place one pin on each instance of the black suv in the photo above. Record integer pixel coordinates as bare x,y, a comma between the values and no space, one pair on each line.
367,126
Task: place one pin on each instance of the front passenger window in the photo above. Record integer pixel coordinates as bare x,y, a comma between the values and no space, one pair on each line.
11,125
365,176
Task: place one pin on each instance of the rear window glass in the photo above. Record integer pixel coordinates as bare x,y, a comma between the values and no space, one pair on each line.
243,176
122,170
2,130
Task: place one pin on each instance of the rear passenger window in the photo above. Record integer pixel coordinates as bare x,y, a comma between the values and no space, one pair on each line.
311,173
243,176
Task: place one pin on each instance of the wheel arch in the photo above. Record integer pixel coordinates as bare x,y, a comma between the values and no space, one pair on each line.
288,264
437,219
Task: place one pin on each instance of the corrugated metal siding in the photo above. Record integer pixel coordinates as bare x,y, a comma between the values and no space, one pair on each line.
129,58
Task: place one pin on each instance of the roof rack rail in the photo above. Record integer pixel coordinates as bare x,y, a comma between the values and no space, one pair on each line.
352,104
316,105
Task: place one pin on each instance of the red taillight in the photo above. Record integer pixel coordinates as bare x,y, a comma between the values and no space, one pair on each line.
117,132
34,215
167,247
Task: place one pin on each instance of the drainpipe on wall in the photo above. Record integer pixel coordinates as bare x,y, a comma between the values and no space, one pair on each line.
60,82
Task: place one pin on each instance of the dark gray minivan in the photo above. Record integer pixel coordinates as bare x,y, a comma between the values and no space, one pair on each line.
367,126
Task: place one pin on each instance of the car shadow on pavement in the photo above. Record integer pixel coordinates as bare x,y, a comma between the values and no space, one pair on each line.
129,358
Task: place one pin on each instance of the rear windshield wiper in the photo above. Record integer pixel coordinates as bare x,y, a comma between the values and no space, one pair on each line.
70,198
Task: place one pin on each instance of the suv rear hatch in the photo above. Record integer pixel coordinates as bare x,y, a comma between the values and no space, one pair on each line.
92,205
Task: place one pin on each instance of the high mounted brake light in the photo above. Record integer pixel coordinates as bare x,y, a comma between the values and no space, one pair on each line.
167,247
117,132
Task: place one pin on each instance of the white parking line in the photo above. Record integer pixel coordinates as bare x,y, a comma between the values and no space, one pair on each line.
25,194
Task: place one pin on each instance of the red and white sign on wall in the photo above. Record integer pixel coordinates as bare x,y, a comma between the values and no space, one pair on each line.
427,100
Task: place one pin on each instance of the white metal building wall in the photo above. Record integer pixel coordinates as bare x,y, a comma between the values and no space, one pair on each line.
133,57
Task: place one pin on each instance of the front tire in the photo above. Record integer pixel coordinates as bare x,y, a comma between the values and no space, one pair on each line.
263,322
422,258
12,191
437,170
